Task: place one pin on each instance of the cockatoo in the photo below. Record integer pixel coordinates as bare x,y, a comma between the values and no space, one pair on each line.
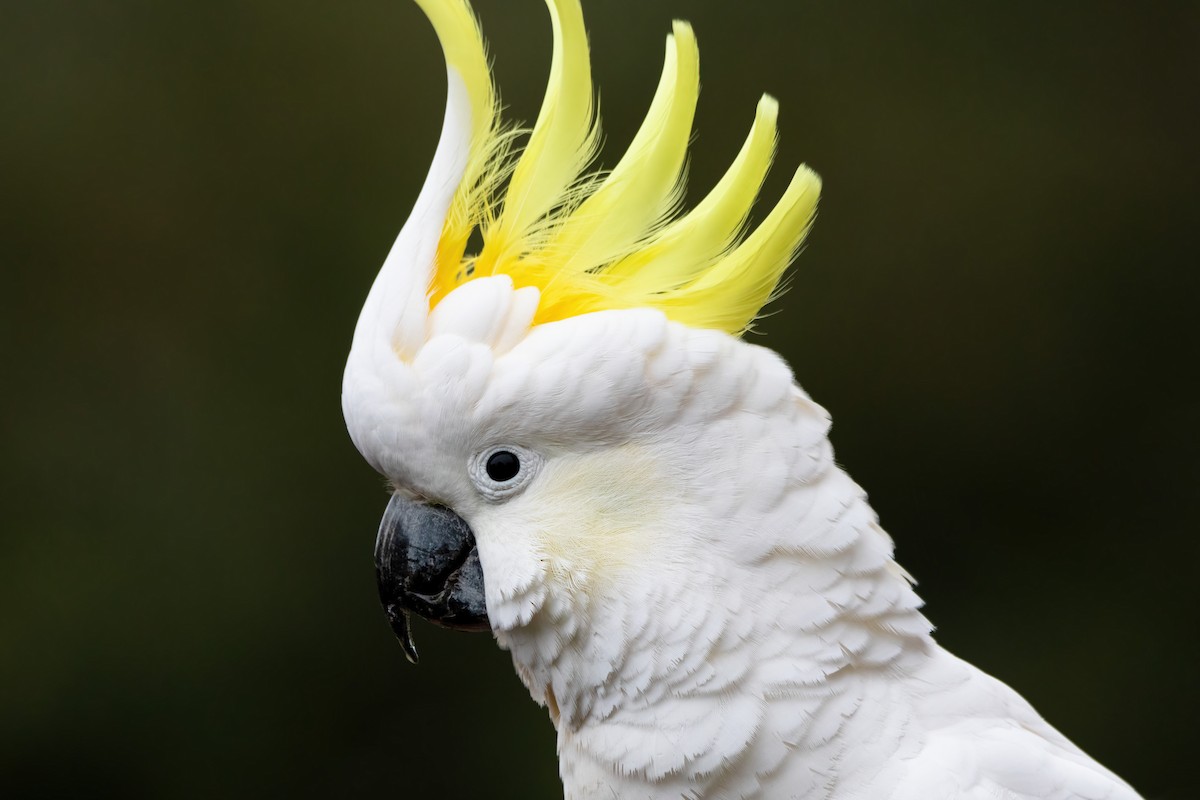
588,461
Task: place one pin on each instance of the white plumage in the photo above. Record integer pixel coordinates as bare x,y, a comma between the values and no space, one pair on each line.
702,598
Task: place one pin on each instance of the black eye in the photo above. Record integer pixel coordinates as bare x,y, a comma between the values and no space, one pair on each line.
503,466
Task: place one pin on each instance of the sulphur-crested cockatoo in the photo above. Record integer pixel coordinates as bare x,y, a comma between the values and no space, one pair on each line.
641,507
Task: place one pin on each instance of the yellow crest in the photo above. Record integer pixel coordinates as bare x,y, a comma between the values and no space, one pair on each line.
611,240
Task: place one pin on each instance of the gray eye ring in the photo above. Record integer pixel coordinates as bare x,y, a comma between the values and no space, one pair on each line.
501,471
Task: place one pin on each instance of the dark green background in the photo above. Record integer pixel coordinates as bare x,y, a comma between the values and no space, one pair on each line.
998,305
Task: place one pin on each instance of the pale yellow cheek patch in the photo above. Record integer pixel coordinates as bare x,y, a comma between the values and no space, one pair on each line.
596,515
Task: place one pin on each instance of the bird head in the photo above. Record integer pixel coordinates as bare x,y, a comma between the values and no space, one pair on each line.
573,428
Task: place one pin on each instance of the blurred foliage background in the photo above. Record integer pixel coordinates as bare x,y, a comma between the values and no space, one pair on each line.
998,304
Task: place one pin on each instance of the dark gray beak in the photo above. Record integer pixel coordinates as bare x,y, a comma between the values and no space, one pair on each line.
426,562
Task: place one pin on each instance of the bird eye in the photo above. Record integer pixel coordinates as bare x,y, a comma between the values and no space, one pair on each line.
500,472
502,466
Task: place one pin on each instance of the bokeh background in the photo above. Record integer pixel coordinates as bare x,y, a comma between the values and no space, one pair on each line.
998,304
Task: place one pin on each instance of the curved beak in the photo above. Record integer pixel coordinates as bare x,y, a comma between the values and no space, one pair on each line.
426,562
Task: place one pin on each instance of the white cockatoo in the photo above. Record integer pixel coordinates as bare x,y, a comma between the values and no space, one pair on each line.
640,506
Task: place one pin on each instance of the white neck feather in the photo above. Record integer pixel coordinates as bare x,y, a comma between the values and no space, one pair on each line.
748,654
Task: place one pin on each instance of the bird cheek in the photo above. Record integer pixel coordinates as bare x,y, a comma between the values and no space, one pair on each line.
514,568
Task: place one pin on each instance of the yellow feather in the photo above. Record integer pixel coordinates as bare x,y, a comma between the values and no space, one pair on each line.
730,295
615,240
645,184
561,145
691,244
463,46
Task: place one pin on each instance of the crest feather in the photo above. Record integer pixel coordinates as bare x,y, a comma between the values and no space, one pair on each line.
646,184
561,144
615,240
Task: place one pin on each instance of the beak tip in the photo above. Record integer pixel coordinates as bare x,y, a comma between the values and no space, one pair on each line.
398,617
